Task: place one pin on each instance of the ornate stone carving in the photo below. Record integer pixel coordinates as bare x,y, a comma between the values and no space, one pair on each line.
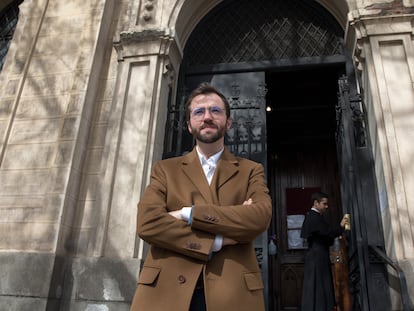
148,11
395,7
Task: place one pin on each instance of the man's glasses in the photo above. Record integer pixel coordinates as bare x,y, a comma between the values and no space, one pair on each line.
199,112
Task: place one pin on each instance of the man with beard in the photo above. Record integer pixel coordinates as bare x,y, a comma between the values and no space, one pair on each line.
201,214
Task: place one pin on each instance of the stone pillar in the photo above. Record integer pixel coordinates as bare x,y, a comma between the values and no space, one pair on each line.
105,274
384,54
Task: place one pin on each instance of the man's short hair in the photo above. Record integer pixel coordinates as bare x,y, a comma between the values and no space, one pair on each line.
203,89
318,196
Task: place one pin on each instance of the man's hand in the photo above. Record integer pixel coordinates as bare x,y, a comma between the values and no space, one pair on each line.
345,222
228,241
248,202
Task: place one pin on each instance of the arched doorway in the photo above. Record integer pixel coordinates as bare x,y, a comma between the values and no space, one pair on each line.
287,57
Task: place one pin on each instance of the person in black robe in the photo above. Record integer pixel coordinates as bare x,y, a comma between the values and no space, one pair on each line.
318,292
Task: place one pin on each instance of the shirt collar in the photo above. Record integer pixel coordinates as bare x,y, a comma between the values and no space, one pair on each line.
314,209
213,159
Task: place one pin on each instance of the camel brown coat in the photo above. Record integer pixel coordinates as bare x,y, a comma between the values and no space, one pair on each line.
180,252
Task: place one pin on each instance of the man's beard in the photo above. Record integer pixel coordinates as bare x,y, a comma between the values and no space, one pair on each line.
209,138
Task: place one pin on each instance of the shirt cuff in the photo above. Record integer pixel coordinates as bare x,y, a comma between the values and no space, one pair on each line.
218,243
187,214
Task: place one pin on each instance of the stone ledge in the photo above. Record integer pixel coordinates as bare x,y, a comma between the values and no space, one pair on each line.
25,274
102,279
38,281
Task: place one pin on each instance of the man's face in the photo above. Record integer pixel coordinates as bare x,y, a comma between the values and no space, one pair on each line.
321,206
208,121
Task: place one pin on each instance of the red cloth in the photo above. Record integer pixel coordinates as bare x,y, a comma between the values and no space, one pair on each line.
298,200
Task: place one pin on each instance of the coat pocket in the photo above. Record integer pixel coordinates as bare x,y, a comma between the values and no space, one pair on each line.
253,280
148,275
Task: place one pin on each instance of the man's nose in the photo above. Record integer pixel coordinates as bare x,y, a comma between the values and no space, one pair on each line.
207,114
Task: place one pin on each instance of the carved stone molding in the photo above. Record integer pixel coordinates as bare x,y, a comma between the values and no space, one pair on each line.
135,43
149,34
395,7
148,10
365,27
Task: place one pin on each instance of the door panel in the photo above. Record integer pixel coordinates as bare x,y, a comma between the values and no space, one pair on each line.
306,171
368,274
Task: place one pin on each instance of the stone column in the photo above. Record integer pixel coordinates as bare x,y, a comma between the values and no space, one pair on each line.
106,271
384,54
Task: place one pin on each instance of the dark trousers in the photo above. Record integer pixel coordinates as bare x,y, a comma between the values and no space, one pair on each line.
198,301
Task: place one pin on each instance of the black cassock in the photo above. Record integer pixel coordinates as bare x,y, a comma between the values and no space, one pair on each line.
318,293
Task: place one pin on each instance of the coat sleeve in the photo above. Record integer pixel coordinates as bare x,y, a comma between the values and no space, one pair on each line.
242,223
315,228
158,228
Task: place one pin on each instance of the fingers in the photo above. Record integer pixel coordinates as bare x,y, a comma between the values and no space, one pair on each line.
228,241
248,202
345,220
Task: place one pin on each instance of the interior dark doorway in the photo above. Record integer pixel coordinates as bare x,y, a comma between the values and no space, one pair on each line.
302,158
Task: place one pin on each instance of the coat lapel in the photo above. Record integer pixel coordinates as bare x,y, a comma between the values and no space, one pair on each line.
192,168
227,167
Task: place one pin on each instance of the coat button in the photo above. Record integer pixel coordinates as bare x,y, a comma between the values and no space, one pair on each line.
181,279
193,245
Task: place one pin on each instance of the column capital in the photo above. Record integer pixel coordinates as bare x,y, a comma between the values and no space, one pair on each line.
362,28
151,41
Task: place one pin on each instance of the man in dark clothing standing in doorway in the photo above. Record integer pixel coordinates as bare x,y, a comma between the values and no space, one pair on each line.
318,293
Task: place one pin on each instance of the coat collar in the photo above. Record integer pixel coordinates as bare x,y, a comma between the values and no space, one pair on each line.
227,167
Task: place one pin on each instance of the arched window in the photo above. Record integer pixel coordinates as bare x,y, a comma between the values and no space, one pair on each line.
247,31
8,21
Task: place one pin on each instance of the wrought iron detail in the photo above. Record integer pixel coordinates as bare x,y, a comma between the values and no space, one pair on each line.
358,118
339,134
355,104
177,138
355,281
246,137
246,31
259,256
373,257
8,21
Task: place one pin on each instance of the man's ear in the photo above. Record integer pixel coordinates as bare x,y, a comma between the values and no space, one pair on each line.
229,123
189,127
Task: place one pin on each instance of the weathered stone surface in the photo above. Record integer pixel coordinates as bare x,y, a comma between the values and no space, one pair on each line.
29,156
94,306
25,274
22,304
35,131
104,279
36,281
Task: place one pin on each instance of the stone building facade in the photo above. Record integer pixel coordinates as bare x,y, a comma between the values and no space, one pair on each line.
84,95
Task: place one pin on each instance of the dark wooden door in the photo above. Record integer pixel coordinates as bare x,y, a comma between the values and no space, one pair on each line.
302,158
295,176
